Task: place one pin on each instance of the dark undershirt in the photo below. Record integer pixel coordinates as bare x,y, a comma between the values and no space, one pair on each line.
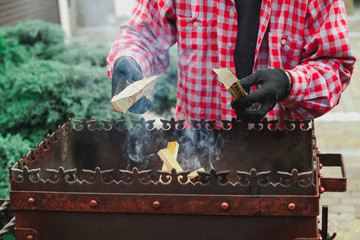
248,26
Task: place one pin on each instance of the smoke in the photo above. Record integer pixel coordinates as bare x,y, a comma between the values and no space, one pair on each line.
197,148
141,147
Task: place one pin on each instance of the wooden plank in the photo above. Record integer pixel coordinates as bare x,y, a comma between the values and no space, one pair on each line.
230,82
173,148
169,155
165,168
132,93
194,174
166,156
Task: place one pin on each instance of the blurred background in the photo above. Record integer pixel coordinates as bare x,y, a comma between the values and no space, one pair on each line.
52,67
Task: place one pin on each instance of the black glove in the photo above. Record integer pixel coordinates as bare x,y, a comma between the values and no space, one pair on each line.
127,71
272,86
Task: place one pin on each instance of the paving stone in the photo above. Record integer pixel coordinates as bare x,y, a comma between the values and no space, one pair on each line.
330,201
346,226
351,201
342,209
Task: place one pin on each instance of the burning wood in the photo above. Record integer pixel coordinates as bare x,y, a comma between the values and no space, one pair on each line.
195,174
173,148
228,79
132,93
169,160
169,156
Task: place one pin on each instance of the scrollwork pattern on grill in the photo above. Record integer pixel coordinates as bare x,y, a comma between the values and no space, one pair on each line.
25,175
143,125
284,179
203,124
213,177
149,181
129,177
173,177
304,179
253,178
61,175
172,124
245,179
91,177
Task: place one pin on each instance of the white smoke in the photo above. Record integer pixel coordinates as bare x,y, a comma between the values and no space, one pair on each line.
197,148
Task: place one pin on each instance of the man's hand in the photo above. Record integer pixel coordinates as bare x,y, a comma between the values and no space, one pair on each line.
126,72
273,85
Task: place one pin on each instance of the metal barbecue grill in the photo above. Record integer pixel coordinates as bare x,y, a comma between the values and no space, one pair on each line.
103,180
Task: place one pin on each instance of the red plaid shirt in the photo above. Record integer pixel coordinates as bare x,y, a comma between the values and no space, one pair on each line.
308,38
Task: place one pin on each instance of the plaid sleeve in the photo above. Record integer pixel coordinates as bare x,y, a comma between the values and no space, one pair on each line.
146,37
327,61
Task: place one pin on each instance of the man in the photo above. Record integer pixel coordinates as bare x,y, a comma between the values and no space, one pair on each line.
301,48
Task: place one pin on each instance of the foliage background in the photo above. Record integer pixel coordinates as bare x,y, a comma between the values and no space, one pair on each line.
45,81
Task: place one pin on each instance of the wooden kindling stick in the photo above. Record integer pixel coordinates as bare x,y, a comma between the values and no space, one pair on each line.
232,84
169,156
132,93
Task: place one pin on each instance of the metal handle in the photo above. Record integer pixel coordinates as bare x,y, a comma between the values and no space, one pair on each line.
9,227
5,209
333,184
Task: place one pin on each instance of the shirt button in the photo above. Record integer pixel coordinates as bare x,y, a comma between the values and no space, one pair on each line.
229,45
196,24
232,15
283,41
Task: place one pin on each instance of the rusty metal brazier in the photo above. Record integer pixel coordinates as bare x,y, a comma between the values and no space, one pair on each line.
102,180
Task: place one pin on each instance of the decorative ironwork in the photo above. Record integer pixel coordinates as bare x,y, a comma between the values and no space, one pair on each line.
172,124
135,175
254,178
213,177
143,125
203,124
304,179
297,124
266,125
173,177
25,175
245,179
91,177
284,179
85,124
62,175
118,125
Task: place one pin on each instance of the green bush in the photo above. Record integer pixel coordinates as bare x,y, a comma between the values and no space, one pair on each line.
47,93
11,149
76,53
34,31
27,40
43,83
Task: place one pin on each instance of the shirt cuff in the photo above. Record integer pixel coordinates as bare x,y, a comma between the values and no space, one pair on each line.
297,91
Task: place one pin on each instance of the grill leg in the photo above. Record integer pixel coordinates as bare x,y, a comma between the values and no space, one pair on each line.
324,223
